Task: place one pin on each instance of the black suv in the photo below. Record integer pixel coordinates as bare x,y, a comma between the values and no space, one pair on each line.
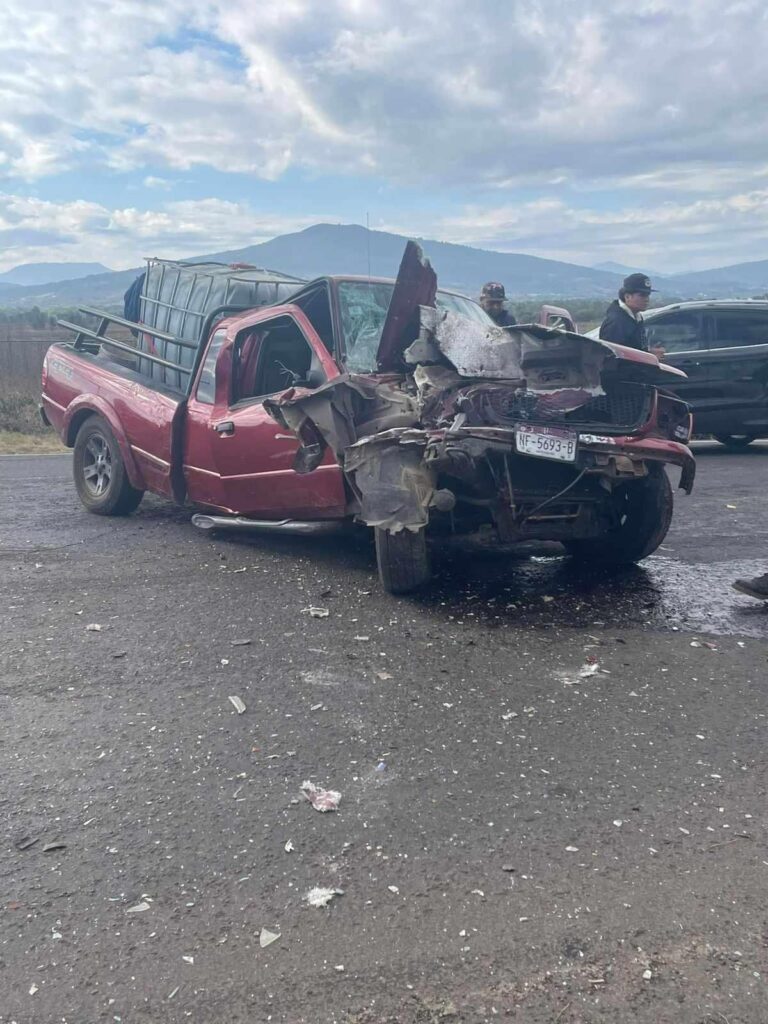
723,347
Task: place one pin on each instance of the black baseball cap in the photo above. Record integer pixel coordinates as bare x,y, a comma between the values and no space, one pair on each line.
638,283
493,290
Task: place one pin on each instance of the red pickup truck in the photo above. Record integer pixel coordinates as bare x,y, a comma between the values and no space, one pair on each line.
393,404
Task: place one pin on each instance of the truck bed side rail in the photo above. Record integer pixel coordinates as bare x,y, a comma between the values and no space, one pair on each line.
85,338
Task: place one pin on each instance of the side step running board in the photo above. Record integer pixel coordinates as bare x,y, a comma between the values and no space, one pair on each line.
206,522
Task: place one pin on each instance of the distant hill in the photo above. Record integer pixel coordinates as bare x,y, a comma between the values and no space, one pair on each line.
351,249
31,274
348,248
624,270
740,279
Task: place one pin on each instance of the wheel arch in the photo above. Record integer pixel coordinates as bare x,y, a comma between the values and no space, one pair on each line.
91,405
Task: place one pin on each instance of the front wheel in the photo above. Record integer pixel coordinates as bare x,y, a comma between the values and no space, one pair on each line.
100,477
403,560
643,514
735,440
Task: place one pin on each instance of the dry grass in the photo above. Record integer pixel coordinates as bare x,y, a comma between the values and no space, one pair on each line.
14,443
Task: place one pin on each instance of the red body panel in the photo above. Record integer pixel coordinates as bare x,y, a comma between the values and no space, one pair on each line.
248,471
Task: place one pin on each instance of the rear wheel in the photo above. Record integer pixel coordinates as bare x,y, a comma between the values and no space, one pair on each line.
735,440
403,560
644,513
100,477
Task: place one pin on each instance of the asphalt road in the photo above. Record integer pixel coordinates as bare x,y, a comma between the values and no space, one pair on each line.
553,784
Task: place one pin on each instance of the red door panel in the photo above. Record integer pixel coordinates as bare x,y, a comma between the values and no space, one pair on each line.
255,463
236,457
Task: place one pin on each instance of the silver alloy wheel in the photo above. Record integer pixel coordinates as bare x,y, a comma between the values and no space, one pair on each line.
97,465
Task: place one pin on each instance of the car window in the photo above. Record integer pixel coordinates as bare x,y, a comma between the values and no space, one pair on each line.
206,386
733,327
676,332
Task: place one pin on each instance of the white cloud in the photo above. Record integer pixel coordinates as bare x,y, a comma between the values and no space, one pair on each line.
41,231
445,92
576,107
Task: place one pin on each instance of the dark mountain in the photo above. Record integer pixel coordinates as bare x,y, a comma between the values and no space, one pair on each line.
351,249
740,279
104,290
33,274
621,268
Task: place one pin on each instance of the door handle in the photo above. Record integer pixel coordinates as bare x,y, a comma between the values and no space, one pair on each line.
226,428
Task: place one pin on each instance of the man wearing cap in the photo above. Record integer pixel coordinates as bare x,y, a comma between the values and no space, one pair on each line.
623,323
492,299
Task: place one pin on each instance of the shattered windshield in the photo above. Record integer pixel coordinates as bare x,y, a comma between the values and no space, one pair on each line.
364,308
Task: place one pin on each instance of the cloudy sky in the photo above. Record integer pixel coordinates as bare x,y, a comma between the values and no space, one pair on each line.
629,130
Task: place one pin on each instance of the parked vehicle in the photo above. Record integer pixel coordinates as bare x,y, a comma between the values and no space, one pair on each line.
722,346
393,404
723,349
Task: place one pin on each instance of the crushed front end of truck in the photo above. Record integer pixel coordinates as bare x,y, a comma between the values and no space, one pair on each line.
489,436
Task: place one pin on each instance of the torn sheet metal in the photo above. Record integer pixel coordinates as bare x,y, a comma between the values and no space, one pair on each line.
338,414
441,416
393,482
416,286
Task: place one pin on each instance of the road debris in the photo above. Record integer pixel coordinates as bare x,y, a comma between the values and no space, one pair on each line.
237,704
139,908
647,975
32,989
321,799
188,959
321,897
266,937
571,849
317,613
172,994
26,842
49,847
242,643
93,627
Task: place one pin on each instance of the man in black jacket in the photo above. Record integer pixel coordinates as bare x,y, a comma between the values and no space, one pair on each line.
492,299
623,323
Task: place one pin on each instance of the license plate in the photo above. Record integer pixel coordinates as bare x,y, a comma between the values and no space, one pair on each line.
547,443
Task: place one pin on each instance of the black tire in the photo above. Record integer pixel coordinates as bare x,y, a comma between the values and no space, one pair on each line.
644,508
100,478
735,440
403,560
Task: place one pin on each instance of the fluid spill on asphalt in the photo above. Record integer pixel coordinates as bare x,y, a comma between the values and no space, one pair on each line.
662,593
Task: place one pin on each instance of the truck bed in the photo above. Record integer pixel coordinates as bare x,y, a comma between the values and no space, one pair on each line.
140,412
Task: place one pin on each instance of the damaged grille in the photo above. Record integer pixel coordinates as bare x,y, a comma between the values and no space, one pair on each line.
624,406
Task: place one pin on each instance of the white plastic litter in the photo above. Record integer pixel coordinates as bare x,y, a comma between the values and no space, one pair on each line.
237,704
321,897
266,938
321,799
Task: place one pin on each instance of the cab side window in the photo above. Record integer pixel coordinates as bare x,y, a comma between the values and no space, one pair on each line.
206,385
733,328
676,332
272,357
